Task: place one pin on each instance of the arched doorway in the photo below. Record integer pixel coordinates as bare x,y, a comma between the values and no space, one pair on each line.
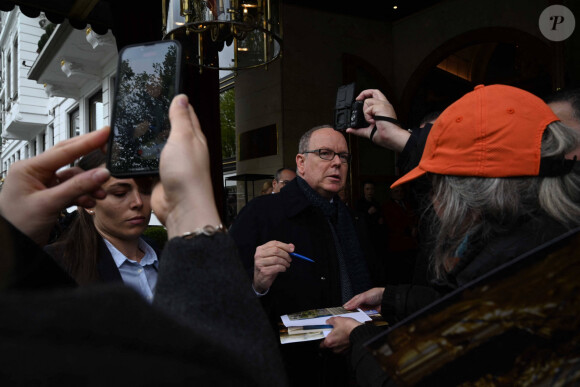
484,56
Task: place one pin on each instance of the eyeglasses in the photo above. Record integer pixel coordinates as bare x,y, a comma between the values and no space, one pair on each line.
283,182
327,154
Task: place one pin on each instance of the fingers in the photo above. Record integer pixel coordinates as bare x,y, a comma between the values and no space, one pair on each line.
354,302
66,174
338,340
371,298
184,121
371,93
270,259
66,152
275,248
80,189
331,321
273,257
361,132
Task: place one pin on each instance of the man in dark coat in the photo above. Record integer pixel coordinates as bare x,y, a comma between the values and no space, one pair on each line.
308,218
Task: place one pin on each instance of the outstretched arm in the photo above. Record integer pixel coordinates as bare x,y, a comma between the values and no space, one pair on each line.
388,134
201,280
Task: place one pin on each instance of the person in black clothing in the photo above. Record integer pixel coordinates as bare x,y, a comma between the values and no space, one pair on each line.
308,218
501,186
368,205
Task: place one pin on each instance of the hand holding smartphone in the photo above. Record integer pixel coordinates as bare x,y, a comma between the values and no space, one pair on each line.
148,77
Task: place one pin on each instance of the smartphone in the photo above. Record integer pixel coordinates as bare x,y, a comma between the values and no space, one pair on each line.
148,77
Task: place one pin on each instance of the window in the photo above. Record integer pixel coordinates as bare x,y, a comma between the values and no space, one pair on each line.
32,148
42,142
74,124
96,111
15,69
50,136
8,82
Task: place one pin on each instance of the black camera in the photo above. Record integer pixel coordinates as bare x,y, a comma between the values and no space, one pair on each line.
348,113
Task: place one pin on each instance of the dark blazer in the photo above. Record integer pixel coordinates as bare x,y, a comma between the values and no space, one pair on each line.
108,271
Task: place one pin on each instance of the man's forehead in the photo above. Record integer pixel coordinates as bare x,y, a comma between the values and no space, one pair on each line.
327,137
287,173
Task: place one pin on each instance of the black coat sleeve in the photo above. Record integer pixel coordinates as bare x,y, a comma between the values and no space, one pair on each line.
24,265
368,372
202,284
411,154
398,302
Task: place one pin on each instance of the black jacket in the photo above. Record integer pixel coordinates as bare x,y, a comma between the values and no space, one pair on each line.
290,218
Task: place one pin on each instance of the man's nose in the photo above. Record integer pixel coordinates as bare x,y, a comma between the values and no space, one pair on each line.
336,160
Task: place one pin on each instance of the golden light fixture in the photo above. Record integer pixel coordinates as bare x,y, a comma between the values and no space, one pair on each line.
245,32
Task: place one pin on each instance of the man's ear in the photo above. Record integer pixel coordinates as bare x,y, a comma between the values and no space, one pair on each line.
300,158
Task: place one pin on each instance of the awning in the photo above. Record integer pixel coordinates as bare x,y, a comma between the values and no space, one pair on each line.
79,13
131,21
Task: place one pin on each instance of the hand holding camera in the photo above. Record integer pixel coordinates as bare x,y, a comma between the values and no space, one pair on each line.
369,113
348,111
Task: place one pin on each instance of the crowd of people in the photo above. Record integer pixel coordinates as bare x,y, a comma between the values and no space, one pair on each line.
494,175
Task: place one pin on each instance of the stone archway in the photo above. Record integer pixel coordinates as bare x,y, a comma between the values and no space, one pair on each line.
487,55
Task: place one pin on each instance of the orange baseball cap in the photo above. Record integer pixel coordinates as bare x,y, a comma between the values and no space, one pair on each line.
492,131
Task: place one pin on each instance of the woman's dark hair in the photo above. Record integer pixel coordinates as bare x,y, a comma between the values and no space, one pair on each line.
77,249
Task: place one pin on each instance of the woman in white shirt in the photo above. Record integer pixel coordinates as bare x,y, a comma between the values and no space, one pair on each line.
103,243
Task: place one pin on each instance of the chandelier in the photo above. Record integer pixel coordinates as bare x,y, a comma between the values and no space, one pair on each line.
246,33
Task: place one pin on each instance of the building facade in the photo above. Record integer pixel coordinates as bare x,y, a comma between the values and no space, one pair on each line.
56,83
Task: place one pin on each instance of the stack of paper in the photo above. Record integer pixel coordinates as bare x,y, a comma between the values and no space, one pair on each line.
311,324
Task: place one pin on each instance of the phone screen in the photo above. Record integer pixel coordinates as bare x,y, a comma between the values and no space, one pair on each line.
147,81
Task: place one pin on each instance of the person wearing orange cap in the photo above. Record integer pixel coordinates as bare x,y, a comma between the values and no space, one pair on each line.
501,186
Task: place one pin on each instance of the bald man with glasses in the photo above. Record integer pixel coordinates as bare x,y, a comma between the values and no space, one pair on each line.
306,217
282,177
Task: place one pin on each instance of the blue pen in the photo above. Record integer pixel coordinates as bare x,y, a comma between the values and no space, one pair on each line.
301,257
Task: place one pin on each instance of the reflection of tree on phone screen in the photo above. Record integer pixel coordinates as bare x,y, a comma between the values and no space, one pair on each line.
141,123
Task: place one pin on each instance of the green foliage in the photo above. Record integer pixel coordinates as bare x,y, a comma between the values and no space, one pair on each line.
228,123
48,30
158,234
